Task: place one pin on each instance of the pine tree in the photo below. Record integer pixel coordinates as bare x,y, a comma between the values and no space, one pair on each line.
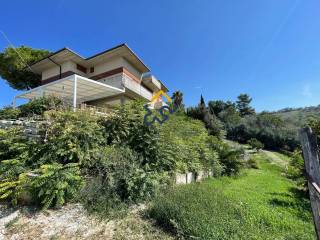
243,105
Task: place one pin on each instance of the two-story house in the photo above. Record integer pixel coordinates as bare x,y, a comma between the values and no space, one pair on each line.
111,77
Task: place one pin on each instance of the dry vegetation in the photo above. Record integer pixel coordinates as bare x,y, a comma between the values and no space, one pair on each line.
72,222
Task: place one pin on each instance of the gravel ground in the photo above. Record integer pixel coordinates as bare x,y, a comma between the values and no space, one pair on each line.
72,222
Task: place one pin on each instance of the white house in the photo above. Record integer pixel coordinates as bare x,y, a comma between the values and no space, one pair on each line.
111,77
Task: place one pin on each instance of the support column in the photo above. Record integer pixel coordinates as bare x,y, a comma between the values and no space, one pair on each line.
14,103
41,92
75,94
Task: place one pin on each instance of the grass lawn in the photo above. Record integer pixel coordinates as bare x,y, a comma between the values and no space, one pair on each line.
260,204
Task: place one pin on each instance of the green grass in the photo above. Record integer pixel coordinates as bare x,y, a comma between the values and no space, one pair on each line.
259,204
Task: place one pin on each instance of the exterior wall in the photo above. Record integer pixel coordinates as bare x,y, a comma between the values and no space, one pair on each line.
68,66
110,101
114,80
113,64
131,69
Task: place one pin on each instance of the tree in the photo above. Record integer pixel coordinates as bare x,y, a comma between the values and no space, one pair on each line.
15,70
177,97
202,113
243,105
230,116
202,103
218,106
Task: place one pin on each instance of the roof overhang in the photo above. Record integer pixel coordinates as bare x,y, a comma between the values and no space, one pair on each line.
66,54
86,89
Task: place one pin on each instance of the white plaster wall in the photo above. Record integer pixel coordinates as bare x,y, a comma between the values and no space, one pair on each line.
65,67
113,64
131,69
114,80
106,66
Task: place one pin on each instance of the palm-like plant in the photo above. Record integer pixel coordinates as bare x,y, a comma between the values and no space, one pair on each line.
177,97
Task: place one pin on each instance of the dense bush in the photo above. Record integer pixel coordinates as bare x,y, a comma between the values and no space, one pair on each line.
267,128
33,108
203,113
54,184
9,112
241,123
111,160
184,145
231,158
126,127
255,144
297,171
39,105
117,177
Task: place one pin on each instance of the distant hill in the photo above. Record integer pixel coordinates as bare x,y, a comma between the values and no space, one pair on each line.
298,117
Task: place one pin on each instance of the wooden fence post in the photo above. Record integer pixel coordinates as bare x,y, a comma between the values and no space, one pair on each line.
311,158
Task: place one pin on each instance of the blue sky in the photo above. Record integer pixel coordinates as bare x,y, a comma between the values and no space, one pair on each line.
269,49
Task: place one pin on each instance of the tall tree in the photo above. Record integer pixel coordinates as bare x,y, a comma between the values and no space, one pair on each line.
14,66
177,97
202,103
243,105
211,122
217,106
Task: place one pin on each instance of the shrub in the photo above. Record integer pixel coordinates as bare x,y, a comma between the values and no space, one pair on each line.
252,163
122,160
9,112
69,137
267,128
184,144
45,167
297,171
119,177
54,184
230,158
13,143
39,105
255,144
125,127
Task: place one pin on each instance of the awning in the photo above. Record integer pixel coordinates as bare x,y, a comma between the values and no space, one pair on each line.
74,88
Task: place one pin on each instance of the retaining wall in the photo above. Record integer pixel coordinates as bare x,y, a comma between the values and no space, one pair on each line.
189,177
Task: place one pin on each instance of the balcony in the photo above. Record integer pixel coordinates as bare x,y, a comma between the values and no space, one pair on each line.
122,80
151,82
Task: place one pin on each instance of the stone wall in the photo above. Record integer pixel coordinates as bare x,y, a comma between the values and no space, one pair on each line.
31,127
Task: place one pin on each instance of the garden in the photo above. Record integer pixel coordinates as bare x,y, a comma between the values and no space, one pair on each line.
111,163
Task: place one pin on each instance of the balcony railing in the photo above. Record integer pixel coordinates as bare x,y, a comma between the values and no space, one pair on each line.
129,83
122,80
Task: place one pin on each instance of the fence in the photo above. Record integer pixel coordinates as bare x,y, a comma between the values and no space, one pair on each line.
311,159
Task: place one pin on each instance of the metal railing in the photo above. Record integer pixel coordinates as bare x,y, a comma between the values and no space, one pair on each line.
122,80
129,83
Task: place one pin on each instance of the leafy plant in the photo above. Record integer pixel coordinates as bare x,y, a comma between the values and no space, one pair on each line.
39,105
15,71
54,184
296,170
255,144
9,112
230,158
69,137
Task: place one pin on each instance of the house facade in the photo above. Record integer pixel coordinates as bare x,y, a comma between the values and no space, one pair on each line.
112,77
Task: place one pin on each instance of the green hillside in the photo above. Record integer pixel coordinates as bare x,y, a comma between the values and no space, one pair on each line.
298,117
